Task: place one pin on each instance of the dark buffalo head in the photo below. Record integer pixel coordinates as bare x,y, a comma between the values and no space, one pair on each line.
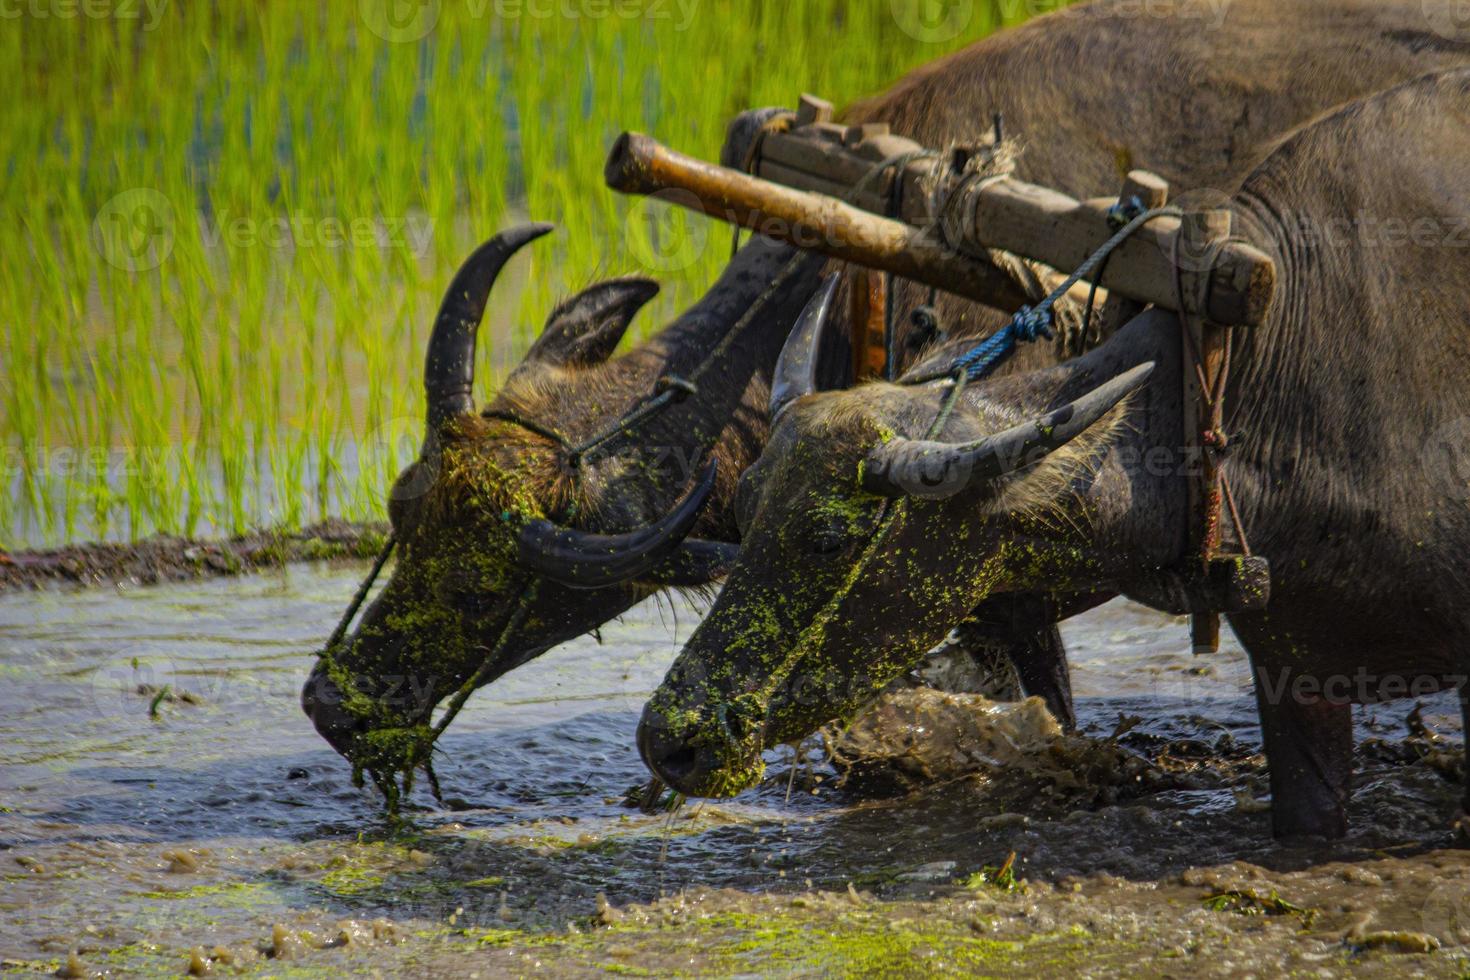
863,542
506,542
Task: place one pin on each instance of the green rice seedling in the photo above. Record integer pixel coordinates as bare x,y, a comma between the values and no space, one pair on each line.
226,225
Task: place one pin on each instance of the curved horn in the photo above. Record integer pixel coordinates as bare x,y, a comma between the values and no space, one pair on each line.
586,560
449,367
921,468
796,368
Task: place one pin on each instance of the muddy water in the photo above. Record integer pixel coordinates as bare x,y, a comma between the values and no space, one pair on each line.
164,803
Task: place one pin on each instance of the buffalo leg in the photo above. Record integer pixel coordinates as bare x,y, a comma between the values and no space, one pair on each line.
1463,689
1035,655
1024,629
1309,751
1041,662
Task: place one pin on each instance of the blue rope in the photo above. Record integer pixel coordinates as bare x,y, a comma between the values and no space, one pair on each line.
1028,324
1031,322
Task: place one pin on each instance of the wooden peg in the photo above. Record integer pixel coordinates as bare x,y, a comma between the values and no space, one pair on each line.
1199,233
1151,190
810,109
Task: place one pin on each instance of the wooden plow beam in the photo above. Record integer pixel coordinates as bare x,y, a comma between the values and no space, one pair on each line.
823,187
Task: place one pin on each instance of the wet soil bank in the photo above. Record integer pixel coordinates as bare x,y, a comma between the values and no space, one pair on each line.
164,558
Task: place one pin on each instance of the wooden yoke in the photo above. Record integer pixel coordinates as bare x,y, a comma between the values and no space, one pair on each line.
1001,213
867,288
830,189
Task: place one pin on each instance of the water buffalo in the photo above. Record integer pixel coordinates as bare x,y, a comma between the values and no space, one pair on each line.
1194,100
865,536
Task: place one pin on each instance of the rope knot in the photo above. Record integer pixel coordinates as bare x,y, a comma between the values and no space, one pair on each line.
1030,323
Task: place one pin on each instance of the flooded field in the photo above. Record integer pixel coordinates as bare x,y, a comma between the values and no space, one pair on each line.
165,807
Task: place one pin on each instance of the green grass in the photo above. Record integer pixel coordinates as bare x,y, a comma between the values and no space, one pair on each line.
226,226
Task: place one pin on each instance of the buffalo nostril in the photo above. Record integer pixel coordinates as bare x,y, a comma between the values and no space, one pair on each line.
321,700
678,764
671,759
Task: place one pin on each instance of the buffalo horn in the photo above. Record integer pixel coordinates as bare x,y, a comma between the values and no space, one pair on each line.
796,368
449,367
587,560
922,468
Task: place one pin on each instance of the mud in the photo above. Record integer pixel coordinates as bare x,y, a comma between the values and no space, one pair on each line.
165,558
211,830
916,738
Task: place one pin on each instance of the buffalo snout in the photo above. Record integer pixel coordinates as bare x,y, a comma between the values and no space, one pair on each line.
714,751
322,700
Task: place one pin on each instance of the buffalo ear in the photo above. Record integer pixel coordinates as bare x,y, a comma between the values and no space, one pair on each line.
586,328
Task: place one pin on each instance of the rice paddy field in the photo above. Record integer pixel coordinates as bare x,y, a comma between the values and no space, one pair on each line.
224,230
226,226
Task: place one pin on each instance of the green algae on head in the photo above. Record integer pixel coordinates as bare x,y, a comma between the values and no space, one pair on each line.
856,560
510,534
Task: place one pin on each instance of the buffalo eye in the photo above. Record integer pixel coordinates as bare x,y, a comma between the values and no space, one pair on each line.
827,537
463,594
476,603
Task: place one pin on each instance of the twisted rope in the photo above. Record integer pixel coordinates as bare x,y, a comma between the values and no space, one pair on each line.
1031,322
